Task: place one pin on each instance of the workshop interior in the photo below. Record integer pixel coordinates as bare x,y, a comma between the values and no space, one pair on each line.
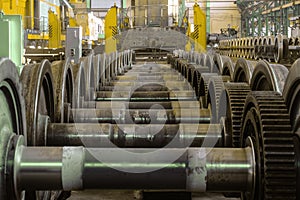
149,99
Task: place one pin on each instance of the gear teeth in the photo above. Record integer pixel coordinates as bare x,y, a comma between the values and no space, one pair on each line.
190,73
236,94
202,87
197,74
215,87
278,158
182,65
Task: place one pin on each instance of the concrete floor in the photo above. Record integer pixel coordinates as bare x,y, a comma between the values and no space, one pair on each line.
130,195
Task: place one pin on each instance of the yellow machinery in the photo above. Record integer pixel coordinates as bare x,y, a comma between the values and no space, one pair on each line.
54,30
81,17
56,18
125,23
75,1
20,7
111,29
199,35
79,4
90,26
13,7
25,8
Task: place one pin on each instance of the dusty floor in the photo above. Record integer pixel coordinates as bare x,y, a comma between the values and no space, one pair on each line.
129,195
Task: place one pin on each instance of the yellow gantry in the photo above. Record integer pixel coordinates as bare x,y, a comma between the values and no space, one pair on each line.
111,29
199,34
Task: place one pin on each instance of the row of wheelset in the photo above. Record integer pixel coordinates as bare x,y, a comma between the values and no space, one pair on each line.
54,88
280,48
40,109
258,155
253,100
46,92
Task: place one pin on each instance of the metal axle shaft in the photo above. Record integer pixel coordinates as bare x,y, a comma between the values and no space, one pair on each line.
193,169
140,116
137,136
141,105
145,96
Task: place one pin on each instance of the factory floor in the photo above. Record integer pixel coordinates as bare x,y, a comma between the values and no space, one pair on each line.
130,195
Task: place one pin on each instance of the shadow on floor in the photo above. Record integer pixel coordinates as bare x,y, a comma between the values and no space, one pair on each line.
131,195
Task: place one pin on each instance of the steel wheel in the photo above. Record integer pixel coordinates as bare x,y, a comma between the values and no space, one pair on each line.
268,77
12,103
243,71
291,94
79,85
12,120
228,68
39,99
267,123
39,95
215,88
63,73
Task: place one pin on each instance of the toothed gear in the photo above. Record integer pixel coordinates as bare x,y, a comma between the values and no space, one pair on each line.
176,63
234,96
215,88
196,76
181,65
267,122
184,69
189,73
196,82
201,88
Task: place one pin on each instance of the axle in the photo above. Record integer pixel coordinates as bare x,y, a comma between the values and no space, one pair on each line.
74,168
145,96
141,105
140,76
169,84
158,116
137,136
143,88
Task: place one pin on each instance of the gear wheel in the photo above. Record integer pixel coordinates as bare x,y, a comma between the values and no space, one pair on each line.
215,88
231,105
201,88
267,122
189,72
181,65
196,75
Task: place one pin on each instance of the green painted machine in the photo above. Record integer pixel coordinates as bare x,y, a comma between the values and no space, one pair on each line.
11,38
